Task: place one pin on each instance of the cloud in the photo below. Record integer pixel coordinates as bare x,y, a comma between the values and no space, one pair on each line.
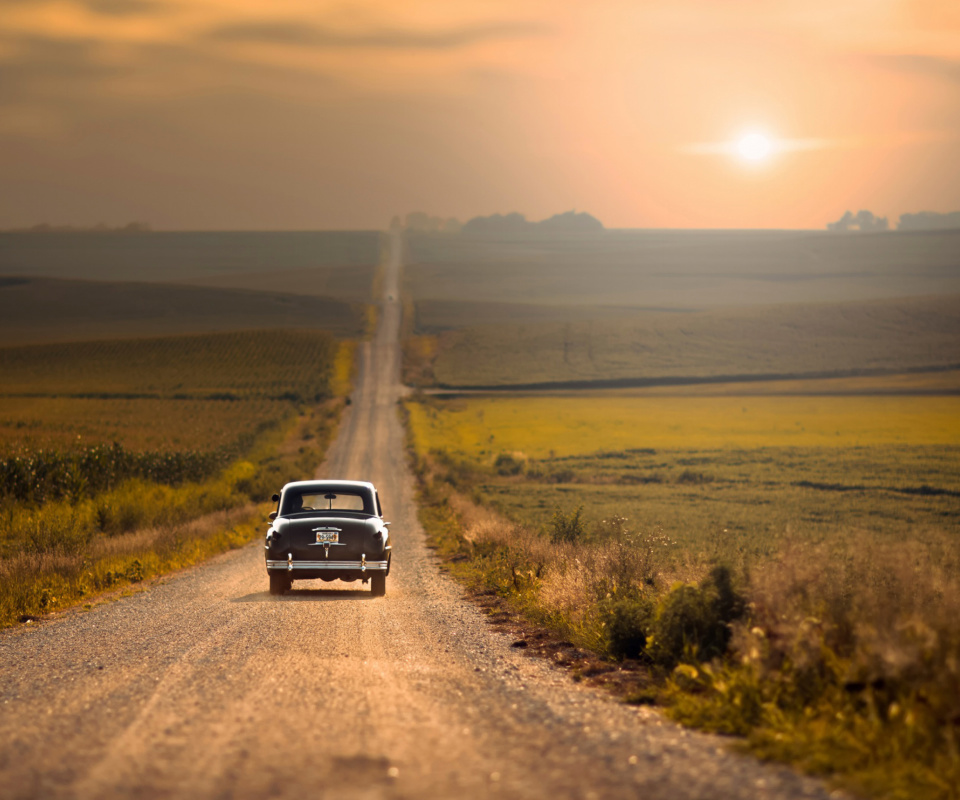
37,64
930,66
298,34
110,8
126,8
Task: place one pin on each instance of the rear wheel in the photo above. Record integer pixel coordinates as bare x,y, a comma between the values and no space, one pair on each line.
378,584
279,583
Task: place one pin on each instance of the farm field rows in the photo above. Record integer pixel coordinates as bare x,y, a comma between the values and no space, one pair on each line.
292,365
142,423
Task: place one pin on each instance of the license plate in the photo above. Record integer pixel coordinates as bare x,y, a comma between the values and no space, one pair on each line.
328,537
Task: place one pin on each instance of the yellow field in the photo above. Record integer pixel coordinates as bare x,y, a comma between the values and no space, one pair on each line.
541,427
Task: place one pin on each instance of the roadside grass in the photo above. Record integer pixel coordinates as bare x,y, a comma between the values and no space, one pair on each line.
806,597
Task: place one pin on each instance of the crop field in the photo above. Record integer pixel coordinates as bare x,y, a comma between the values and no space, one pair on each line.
37,310
291,365
32,423
558,427
182,257
349,284
682,269
114,454
805,340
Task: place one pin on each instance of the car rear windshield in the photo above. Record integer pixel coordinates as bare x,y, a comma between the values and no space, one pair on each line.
294,503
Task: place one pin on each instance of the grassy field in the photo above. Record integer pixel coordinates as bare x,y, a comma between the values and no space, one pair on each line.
555,426
780,340
35,310
761,468
782,564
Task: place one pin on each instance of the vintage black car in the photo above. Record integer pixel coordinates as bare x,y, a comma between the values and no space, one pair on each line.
332,530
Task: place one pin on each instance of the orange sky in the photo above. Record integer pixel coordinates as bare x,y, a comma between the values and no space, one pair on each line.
307,114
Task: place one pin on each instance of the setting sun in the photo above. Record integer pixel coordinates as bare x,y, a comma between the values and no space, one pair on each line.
754,147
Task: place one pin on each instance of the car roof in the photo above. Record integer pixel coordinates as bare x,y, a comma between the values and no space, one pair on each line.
315,486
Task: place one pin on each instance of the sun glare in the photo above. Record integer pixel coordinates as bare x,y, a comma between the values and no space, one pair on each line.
754,147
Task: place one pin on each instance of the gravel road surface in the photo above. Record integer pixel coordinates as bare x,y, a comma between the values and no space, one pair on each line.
206,686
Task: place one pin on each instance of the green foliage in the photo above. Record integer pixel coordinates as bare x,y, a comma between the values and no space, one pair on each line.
568,528
628,622
693,622
42,475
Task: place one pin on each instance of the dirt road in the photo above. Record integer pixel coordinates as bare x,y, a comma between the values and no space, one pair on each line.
206,686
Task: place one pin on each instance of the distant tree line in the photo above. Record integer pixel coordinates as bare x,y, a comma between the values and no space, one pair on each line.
865,222
570,221
100,227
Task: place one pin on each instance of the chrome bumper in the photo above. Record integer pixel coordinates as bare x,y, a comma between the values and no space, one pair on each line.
289,565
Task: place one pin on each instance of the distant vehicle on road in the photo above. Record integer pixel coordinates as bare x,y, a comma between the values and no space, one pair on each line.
332,530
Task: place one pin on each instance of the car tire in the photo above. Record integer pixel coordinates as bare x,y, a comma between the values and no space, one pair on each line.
378,584
279,583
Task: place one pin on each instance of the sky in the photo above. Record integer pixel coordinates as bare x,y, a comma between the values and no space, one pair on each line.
304,114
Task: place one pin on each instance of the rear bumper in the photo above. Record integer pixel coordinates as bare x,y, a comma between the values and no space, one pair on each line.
362,566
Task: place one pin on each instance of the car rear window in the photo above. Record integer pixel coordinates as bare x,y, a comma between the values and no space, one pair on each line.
324,501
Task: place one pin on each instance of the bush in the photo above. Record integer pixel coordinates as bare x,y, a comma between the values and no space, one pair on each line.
568,529
694,621
506,464
628,622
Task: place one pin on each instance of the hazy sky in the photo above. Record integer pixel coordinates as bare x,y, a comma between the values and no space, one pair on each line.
308,114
